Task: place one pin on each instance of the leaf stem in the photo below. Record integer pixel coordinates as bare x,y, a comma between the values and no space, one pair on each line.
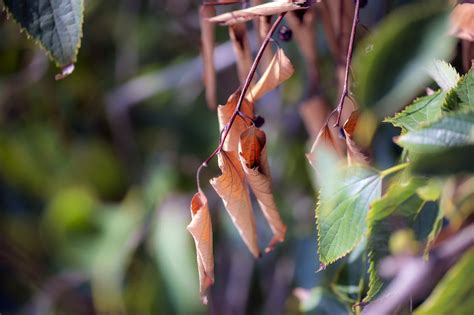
345,89
394,169
248,80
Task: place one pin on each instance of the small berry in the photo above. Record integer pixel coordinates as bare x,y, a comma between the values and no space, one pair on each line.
285,33
258,121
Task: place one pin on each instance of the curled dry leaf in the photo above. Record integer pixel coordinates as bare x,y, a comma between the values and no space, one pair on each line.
240,42
207,42
232,189
279,70
253,156
462,21
201,230
354,153
224,113
269,8
329,139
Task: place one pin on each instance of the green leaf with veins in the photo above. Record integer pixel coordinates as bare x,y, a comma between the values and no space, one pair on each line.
55,25
422,111
452,130
399,205
342,211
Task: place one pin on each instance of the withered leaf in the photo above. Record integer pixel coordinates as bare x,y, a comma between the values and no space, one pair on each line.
252,142
224,113
241,45
201,230
328,138
207,50
269,8
232,189
354,153
279,70
253,156
462,21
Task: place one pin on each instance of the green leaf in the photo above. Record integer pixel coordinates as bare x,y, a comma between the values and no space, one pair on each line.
389,64
422,111
450,161
400,204
55,25
444,74
455,293
465,90
462,96
451,130
342,210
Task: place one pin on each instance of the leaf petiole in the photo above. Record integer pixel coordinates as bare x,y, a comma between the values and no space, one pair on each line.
393,169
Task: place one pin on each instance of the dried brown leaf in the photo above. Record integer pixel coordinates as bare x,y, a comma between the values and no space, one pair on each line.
241,45
224,113
462,21
354,153
329,139
232,188
279,70
269,8
207,50
253,156
201,230
252,142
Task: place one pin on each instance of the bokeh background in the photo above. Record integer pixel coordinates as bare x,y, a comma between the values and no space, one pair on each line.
97,172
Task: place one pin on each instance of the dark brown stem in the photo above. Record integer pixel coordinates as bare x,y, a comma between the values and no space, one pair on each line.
345,89
251,74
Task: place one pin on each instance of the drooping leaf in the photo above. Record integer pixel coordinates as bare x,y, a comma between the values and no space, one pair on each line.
232,189
354,152
201,230
279,70
400,203
55,25
241,45
443,73
327,139
269,8
253,156
454,294
422,111
207,52
445,162
389,64
452,130
342,211
224,113
462,21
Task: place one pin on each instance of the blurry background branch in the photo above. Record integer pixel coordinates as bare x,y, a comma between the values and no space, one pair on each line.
414,277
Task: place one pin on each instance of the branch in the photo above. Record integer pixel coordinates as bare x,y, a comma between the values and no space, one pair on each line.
345,89
248,80
415,278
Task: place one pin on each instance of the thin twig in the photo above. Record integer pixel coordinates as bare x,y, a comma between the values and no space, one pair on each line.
345,89
253,69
